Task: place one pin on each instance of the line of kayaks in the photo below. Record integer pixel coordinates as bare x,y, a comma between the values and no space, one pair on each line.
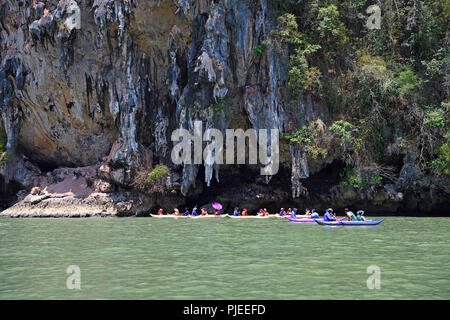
298,219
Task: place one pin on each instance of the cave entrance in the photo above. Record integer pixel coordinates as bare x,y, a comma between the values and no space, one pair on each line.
8,193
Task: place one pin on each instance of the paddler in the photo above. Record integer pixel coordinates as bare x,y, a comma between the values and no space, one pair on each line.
307,212
204,212
289,212
294,213
282,214
328,216
186,213
350,215
194,211
360,216
314,214
265,212
244,212
236,212
217,212
160,212
176,212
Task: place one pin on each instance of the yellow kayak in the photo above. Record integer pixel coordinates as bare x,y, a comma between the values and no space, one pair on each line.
209,216
248,217
169,216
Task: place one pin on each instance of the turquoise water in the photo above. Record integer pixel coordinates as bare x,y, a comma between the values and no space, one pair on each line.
147,258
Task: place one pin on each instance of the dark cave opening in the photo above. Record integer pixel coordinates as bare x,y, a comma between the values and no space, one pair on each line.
8,193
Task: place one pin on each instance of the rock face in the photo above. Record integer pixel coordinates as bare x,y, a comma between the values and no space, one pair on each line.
91,90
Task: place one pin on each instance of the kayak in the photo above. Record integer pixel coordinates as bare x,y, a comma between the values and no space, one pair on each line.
286,217
209,216
170,216
187,217
308,220
248,217
350,223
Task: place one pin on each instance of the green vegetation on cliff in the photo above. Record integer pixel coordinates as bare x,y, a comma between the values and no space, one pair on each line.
387,88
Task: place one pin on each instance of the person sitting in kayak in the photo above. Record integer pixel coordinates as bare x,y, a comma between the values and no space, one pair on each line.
294,213
260,212
194,211
265,212
329,216
282,214
314,214
204,212
176,212
360,216
244,212
307,212
236,212
350,215
186,213
160,212
289,212
217,212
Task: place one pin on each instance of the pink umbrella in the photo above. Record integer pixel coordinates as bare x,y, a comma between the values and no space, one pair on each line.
217,206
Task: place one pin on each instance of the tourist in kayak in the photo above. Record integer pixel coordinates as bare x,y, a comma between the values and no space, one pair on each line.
329,215
350,215
217,212
194,211
314,214
289,212
236,212
265,212
282,214
204,212
307,212
160,212
294,213
244,212
186,213
360,216
176,212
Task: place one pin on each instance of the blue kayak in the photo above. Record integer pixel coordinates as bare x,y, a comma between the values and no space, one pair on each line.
350,223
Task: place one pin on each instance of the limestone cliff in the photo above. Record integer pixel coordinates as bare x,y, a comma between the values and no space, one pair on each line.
87,108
